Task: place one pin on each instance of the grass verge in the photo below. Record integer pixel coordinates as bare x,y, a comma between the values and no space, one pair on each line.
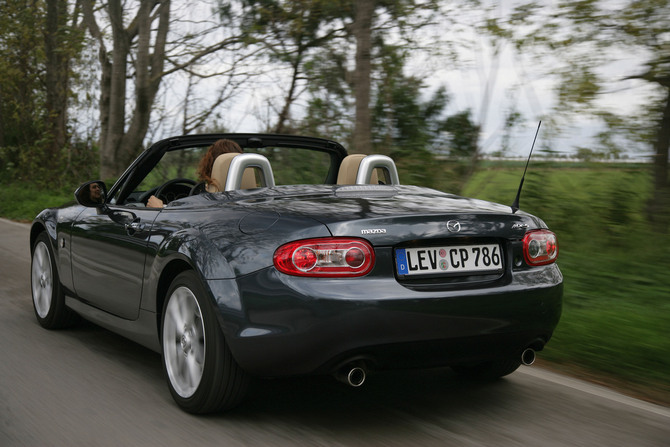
22,201
616,311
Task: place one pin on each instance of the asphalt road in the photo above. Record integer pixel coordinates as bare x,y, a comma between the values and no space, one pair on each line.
87,386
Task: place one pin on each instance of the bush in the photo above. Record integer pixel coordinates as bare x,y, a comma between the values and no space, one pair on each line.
31,165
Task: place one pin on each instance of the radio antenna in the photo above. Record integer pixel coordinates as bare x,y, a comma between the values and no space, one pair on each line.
515,205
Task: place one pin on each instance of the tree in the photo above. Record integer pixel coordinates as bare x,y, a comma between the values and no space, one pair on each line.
362,32
329,105
464,136
35,93
305,35
591,34
405,124
117,145
414,129
144,50
315,39
289,34
402,122
21,64
62,43
370,20
369,25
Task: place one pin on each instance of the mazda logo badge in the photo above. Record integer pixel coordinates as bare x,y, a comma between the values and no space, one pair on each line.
454,226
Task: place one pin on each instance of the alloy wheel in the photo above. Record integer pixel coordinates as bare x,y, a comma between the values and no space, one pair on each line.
42,279
184,342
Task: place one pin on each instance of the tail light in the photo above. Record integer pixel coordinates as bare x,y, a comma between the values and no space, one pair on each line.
540,247
332,257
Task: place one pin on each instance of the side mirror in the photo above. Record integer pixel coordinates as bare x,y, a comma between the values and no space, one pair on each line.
92,194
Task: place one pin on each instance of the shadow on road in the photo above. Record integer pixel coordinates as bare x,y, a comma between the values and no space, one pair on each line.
384,399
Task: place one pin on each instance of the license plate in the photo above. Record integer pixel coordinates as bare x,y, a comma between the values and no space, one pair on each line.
451,259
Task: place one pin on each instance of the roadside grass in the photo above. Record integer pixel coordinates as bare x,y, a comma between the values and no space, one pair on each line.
616,312
23,201
615,320
616,309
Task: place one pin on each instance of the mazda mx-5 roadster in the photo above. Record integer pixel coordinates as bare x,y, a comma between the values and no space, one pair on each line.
294,259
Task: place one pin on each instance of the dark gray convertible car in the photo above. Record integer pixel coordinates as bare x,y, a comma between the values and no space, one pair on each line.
302,260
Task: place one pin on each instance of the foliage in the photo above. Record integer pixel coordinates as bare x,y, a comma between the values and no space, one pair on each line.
406,124
79,162
346,64
35,72
616,303
597,48
464,135
414,131
403,124
290,35
22,98
329,105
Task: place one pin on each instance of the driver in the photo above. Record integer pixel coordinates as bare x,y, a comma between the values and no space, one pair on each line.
222,146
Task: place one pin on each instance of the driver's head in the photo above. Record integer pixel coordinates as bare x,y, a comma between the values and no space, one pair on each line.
95,192
222,146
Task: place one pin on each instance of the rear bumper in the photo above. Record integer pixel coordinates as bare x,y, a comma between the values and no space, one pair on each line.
294,326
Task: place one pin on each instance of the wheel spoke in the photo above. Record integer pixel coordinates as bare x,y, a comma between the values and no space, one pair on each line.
177,319
194,370
186,304
42,300
182,365
39,257
199,345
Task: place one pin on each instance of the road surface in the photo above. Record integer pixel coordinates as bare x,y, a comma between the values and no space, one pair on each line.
87,386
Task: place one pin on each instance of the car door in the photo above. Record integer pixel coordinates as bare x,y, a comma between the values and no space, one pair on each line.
108,253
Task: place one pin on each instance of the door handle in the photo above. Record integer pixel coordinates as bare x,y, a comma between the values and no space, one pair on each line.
135,226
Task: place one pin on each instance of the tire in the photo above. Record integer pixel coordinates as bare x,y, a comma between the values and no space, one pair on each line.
201,372
48,297
488,371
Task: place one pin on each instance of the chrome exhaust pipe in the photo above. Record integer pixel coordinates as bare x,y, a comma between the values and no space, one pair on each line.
528,356
353,376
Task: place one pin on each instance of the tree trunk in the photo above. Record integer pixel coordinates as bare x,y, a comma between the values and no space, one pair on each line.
57,76
105,91
659,207
362,30
149,63
115,92
120,139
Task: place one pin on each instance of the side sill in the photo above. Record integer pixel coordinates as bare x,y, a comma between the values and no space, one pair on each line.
142,331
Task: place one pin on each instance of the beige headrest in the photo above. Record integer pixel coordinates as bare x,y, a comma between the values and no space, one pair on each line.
220,173
349,170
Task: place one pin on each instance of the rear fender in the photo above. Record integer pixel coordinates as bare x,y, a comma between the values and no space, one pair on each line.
182,250
190,250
